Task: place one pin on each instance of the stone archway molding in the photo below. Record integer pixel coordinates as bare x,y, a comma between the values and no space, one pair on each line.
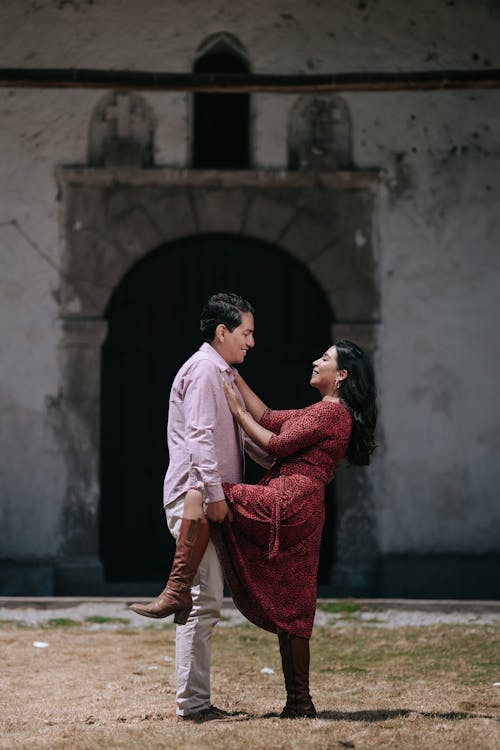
111,218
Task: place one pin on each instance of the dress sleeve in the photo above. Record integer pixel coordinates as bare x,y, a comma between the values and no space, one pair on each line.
307,428
273,419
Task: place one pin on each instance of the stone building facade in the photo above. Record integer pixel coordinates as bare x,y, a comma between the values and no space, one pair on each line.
365,215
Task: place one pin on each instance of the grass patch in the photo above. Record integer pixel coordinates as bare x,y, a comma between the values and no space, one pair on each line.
408,688
343,607
14,624
62,622
100,620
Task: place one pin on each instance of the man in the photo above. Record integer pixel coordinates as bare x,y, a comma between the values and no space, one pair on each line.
206,448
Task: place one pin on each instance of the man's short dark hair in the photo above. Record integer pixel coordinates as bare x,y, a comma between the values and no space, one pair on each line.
223,307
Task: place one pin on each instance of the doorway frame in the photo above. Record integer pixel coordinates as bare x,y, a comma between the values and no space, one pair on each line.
111,218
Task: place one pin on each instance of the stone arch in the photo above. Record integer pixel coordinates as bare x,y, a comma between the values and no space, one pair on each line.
222,42
112,219
331,233
152,328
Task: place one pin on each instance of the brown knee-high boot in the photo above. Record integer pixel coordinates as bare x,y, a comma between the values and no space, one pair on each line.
176,596
295,662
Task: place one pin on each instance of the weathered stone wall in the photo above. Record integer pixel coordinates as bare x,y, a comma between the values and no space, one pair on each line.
435,480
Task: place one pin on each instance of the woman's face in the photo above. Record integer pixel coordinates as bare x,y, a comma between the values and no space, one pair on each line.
325,372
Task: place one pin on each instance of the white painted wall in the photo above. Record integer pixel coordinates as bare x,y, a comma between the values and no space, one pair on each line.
439,225
439,344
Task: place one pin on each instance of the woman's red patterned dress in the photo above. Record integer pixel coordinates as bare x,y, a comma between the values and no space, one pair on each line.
270,551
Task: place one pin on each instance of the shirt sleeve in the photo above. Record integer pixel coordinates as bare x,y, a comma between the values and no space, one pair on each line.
273,419
258,454
202,400
307,428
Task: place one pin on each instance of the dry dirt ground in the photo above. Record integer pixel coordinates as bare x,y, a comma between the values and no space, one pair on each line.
88,675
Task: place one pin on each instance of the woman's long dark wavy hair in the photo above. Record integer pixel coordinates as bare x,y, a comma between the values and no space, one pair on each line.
358,393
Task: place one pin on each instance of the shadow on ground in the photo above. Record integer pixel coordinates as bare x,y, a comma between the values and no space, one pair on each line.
387,714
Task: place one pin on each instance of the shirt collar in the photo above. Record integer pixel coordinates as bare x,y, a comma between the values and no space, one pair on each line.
216,358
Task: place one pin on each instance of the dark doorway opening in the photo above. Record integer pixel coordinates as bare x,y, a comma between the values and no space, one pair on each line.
221,122
153,327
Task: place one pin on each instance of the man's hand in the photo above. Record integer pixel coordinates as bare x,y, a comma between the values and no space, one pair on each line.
218,511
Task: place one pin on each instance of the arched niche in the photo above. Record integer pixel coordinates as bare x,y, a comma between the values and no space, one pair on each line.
121,132
320,133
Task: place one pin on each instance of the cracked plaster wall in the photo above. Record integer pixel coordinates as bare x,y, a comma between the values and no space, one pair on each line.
436,478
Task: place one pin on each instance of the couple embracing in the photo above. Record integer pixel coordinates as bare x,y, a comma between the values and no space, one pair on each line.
263,538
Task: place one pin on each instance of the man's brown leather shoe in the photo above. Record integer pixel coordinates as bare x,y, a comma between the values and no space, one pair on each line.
212,713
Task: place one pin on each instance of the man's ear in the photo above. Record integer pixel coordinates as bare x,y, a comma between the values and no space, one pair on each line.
219,332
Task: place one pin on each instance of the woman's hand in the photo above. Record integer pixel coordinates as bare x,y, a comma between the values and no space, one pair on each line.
246,421
253,403
232,399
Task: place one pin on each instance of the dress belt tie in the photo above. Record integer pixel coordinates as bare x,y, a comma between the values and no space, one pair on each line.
274,530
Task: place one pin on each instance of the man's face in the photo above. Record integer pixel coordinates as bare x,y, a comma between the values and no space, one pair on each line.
236,343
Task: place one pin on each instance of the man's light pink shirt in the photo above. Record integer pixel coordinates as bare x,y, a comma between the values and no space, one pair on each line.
204,442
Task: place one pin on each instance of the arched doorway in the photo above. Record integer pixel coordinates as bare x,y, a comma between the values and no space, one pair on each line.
153,327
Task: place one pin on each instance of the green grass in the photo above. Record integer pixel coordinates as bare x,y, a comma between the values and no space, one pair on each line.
411,688
418,652
100,620
14,624
342,607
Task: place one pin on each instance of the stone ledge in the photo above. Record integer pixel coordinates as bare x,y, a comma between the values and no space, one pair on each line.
214,178
422,605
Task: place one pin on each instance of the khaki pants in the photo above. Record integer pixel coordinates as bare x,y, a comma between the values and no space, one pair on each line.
193,640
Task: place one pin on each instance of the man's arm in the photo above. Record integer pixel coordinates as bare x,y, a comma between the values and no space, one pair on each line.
202,399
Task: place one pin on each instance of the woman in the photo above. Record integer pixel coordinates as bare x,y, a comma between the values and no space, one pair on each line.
270,549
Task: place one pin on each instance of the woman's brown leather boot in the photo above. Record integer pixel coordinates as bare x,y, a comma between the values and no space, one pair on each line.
295,662
176,596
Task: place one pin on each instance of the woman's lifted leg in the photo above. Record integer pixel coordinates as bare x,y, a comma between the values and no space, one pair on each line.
191,545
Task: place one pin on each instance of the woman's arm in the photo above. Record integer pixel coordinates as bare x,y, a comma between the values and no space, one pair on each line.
254,404
253,429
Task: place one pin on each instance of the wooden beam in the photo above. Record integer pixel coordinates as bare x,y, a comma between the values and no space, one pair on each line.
223,83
